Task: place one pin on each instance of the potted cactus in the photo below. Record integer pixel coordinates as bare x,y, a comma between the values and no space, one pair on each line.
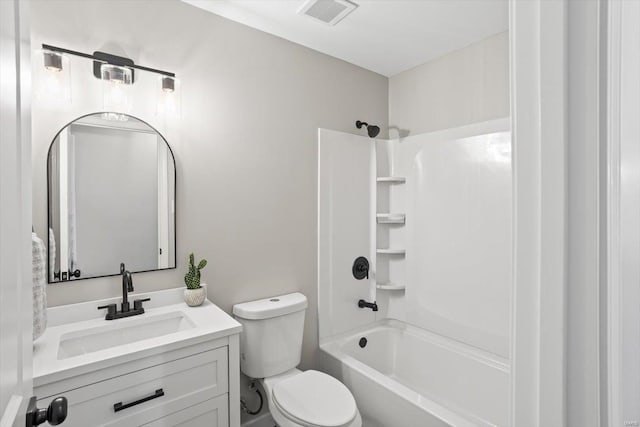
195,294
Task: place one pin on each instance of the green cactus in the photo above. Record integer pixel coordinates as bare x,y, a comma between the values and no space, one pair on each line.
192,278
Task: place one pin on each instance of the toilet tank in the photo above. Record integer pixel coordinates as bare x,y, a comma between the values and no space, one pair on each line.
271,338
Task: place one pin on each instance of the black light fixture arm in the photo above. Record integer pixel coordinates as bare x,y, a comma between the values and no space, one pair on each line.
102,58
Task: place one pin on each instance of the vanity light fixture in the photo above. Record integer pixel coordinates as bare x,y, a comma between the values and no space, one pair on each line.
52,60
52,83
168,84
168,98
116,88
116,72
100,58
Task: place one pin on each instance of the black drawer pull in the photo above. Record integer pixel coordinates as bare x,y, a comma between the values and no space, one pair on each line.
119,406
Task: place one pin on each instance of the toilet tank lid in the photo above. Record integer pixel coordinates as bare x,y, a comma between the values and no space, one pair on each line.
271,307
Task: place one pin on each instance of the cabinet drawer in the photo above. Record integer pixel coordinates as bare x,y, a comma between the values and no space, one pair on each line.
183,383
211,413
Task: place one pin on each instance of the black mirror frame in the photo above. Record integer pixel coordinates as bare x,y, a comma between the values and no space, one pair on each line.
175,212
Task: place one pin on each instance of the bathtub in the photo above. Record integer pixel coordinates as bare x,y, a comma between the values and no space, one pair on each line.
405,376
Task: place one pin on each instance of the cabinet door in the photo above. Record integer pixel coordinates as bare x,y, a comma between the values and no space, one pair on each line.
149,394
211,413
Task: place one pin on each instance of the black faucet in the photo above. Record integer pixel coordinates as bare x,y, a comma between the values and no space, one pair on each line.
127,286
126,310
372,305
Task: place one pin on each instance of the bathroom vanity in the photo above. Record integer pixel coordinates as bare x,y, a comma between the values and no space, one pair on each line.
172,365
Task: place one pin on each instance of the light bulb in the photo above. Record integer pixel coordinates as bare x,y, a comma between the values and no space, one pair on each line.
52,79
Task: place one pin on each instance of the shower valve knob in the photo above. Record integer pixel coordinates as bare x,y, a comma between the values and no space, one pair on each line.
360,268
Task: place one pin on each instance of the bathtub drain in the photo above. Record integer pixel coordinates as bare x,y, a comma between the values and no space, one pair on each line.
363,342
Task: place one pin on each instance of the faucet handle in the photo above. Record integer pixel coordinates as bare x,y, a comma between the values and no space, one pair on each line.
129,280
137,304
111,309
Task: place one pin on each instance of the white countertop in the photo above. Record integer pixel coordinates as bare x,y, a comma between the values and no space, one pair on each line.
210,322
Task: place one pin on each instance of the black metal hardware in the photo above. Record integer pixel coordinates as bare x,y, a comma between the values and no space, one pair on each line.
125,308
363,342
100,58
54,414
137,304
66,275
372,130
106,58
360,268
111,309
120,406
127,286
122,314
56,276
372,305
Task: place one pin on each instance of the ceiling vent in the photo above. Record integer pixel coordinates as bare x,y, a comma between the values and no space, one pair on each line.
328,11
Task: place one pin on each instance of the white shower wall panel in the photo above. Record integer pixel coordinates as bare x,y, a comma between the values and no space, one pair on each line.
458,201
346,224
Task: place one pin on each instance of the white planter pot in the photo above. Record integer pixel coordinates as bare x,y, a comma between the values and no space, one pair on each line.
194,297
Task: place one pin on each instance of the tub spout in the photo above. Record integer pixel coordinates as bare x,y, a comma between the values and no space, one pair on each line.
372,305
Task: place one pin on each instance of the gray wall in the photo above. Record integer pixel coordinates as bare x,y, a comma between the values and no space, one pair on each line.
245,145
466,86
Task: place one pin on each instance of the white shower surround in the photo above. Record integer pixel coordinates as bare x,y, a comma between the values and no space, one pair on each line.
458,201
457,268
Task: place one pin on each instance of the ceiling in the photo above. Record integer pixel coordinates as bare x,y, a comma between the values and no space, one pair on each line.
385,36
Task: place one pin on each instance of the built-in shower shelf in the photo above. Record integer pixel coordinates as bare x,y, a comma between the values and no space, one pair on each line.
392,179
390,287
389,251
390,218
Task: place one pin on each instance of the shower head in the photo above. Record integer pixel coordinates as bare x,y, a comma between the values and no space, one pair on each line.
372,130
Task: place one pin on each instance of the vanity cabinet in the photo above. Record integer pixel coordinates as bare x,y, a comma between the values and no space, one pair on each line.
188,386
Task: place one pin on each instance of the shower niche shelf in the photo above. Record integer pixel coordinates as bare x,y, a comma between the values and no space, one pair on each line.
390,218
390,287
392,179
389,251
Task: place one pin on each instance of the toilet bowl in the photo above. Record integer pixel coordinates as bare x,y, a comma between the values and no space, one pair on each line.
270,348
310,399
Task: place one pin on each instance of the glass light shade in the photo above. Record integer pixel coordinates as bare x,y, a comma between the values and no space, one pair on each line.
116,88
52,78
168,97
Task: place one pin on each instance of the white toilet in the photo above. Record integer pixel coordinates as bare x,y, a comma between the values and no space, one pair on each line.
270,347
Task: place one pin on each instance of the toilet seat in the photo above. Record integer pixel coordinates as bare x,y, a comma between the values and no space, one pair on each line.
315,399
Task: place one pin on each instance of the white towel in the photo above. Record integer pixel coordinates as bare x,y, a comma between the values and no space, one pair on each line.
39,274
52,253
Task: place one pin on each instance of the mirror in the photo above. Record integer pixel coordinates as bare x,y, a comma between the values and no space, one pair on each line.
111,198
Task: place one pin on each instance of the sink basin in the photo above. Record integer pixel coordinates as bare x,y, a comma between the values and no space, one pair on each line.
121,332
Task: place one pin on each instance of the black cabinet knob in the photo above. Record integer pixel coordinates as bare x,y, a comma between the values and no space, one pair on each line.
57,411
54,414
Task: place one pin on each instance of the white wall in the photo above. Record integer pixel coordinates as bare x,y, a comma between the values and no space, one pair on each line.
245,146
466,86
623,287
